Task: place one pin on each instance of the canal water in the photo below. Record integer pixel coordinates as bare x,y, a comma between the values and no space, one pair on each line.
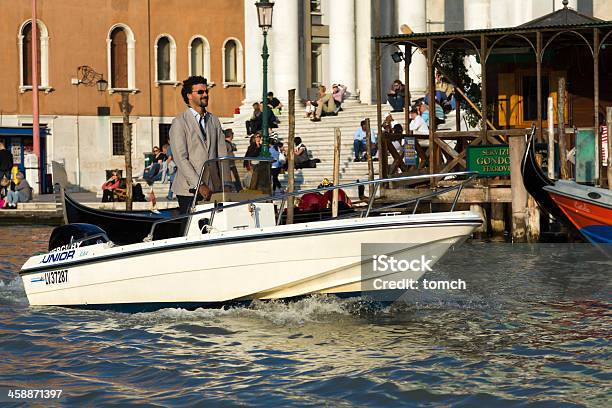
532,328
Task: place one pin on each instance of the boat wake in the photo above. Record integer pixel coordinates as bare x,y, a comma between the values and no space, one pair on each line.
12,291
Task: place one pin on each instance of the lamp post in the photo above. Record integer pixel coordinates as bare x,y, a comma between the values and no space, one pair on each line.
264,16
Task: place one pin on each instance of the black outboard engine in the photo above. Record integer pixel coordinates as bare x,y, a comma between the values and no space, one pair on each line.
67,235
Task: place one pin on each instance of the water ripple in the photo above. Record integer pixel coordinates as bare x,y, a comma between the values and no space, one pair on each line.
533,329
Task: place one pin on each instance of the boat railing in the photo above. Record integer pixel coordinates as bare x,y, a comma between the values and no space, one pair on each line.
469,176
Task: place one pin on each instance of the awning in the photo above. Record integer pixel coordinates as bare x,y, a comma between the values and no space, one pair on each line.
21,131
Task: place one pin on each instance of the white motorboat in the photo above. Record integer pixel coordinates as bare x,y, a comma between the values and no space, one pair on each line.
238,252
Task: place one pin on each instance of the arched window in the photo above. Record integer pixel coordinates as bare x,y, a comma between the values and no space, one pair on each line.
199,57
119,60
121,57
25,56
232,63
165,59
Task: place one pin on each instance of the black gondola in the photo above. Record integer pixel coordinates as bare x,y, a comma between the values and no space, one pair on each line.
122,227
535,180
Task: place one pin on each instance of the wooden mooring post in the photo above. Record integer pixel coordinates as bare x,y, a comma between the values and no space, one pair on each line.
498,222
551,139
519,193
337,143
561,124
291,157
481,231
369,156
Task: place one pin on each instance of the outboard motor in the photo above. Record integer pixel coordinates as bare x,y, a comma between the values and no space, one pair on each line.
66,235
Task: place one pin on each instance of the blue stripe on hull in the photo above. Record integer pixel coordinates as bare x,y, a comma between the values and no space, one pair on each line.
380,297
598,234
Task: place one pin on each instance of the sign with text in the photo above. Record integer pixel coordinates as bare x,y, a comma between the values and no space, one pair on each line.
411,158
489,160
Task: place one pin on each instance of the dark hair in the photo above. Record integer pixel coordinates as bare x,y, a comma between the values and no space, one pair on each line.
270,93
297,140
188,86
227,132
363,122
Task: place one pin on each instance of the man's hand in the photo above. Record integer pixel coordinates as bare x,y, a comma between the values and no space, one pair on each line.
205,192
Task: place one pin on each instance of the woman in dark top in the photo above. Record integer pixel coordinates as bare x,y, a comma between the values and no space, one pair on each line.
152,172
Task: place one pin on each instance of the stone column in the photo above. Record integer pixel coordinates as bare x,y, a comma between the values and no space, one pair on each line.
413,14
342,43
365,50
509,13
253,39
283,42
476,14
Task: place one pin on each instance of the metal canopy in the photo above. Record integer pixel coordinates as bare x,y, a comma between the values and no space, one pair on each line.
21,131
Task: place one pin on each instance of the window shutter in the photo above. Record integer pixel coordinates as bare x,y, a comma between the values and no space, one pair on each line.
27,56
119,63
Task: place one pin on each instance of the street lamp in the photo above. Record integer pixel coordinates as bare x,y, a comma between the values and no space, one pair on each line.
102,84
264,16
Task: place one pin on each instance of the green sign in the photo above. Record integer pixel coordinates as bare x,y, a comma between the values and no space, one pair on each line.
489,160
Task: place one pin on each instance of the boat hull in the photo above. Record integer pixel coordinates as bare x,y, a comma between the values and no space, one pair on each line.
535,181
592,220
270,263
121,227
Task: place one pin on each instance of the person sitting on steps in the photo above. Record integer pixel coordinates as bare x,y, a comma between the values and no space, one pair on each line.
395,95
153,172
326,104
109,187
339,93
302,160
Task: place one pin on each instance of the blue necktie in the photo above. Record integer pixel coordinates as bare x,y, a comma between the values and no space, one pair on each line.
202,123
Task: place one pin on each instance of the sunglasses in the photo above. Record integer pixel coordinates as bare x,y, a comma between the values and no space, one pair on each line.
201,91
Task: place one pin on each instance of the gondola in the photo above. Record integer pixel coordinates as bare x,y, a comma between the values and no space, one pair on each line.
535,180
122,228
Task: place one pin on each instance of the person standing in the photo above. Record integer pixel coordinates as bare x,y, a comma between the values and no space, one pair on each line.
6,162
231,148
195,137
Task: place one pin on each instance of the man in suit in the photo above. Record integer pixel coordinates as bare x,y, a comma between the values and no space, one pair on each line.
195,137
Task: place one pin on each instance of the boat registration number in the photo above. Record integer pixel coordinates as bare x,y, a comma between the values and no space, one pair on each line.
55,277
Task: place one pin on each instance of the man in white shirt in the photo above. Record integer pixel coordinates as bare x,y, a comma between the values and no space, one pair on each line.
417,124
359,140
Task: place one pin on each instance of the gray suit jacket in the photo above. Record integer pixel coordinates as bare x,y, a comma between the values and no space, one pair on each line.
190,152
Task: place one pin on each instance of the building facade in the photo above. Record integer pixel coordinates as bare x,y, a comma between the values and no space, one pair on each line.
329,41
144,47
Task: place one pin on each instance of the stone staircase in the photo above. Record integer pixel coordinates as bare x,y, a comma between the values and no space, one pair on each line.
319,139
